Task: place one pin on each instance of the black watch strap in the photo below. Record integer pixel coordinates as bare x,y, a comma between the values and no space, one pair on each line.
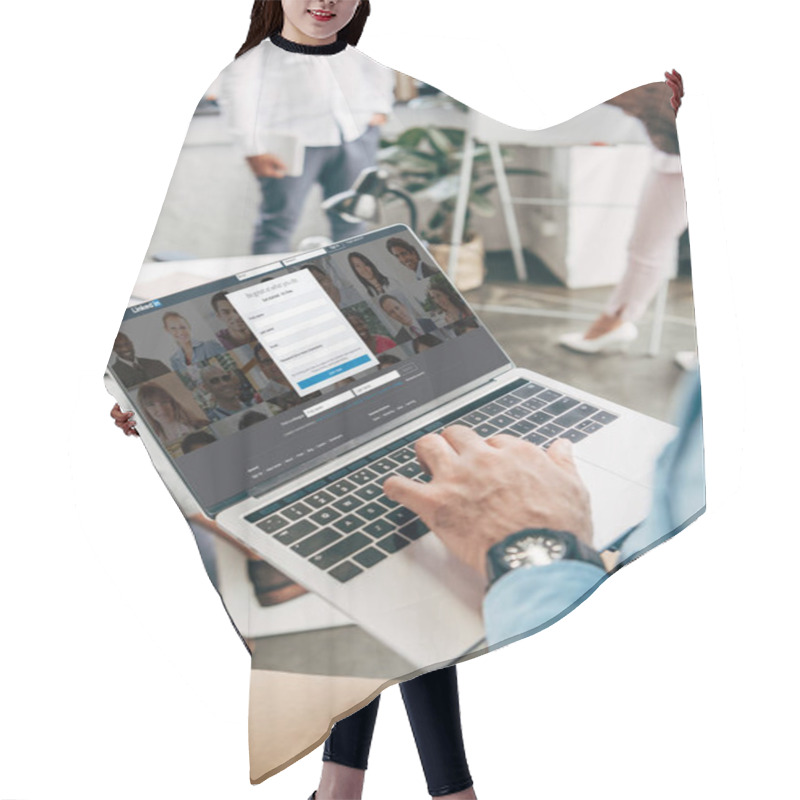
533,547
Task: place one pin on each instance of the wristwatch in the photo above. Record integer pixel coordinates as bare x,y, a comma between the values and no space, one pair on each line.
537,547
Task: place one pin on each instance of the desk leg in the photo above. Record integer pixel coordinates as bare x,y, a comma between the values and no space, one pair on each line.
508,210
460,214
659,310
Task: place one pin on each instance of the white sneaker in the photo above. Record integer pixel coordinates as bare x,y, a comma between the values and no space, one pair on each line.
614,341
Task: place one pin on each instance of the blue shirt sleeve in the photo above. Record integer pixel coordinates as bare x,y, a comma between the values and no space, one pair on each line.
529,599
679,487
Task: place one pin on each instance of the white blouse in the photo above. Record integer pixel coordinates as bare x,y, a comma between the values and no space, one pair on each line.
321,99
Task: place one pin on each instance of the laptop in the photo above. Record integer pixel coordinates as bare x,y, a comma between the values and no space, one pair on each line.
284,396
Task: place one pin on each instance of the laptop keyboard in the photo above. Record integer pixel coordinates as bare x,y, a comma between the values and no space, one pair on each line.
344,524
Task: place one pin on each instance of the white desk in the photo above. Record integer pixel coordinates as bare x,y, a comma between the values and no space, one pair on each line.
584,215
584,218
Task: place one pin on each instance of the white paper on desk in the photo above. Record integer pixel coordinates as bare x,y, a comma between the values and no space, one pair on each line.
288,148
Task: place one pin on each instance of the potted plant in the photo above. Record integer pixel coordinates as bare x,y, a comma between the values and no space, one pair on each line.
427,162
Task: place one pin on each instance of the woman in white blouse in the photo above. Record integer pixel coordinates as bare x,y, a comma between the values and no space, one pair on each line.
305,109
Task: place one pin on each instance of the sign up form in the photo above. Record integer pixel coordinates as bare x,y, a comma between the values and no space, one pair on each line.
301,328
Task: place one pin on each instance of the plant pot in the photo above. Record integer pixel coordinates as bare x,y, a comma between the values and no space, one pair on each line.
470,265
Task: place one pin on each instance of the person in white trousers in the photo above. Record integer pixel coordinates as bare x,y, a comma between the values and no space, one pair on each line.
660,220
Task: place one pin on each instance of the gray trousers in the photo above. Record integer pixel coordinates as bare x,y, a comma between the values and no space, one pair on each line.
335,169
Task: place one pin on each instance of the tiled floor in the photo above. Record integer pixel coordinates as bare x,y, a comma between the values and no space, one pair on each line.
634,379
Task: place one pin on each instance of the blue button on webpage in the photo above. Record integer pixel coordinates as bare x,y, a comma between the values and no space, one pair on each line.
333,371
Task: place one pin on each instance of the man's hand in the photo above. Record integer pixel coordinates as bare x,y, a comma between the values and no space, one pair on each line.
267,165
675,82
484,489
124,420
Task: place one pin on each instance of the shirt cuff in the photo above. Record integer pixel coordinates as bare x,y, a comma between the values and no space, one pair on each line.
528,599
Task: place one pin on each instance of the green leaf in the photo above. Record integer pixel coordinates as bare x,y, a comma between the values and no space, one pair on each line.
438,140
411,162
480,154
444,188
411,137
482,206
454,135
437,220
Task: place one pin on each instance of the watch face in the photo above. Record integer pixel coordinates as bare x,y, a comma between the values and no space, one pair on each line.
536,551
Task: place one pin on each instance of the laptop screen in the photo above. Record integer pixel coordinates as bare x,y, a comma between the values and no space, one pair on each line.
252,379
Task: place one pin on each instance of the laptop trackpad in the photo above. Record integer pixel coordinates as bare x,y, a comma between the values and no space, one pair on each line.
617,503
428,600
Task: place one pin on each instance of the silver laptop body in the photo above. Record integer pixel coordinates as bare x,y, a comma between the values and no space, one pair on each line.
381,566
